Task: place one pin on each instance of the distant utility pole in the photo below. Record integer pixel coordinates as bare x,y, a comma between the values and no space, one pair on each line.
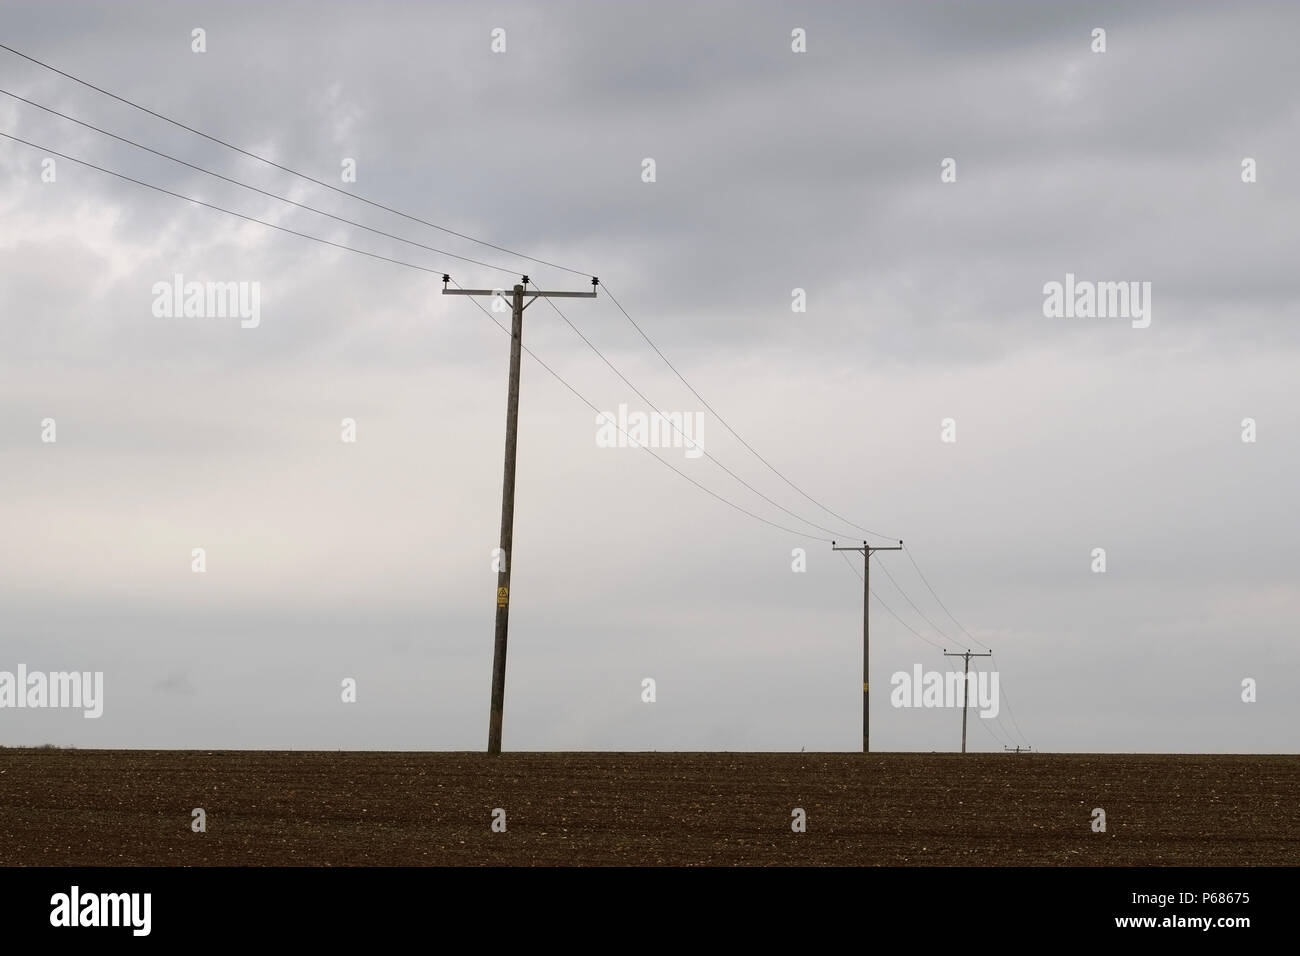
867,551
506,556
1018,749
965,690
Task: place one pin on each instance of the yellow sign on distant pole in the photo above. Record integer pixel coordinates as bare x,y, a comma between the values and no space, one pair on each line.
503,597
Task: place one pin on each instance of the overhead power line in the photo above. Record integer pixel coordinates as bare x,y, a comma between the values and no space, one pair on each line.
412,242
924,581
991,727
262,159
1010,710
728,427
397,212
256,189
208,205
409,265
425,222
1002,698
634,443
915,633
703,450
938,630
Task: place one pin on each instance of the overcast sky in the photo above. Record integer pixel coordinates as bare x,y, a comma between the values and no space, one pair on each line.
774,171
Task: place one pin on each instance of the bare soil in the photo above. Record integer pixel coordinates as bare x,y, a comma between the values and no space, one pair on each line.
97,808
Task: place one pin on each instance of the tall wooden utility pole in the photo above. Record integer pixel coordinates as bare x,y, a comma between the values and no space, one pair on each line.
506,555
965,690
867,552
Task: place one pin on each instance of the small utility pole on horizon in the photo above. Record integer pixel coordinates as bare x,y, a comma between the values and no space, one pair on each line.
867,551
965,690
506,556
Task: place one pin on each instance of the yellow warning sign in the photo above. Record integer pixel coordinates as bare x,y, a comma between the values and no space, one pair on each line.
864,688
503,597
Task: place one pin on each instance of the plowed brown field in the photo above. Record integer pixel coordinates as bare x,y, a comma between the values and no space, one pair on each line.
81,807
